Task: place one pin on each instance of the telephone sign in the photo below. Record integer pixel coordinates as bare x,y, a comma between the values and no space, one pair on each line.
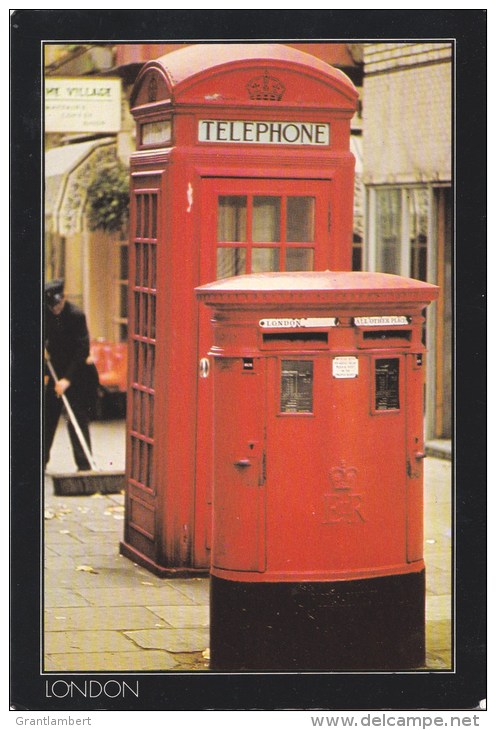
267,132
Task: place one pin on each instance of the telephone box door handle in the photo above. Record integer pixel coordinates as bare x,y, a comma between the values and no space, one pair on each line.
420,455
242,462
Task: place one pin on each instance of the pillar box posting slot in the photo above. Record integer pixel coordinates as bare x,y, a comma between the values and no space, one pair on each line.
317,556
242,165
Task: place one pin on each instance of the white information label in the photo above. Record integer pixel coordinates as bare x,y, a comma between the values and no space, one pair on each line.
248,131
294,323
345,367
380,321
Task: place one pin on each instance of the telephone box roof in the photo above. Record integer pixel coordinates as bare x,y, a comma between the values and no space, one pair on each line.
183,66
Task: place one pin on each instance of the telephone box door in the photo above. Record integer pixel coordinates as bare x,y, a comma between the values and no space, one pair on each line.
250,226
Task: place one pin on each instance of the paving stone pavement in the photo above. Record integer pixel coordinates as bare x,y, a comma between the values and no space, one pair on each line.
104,613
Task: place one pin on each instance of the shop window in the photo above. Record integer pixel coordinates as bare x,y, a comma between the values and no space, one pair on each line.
388,230
398,225
417,201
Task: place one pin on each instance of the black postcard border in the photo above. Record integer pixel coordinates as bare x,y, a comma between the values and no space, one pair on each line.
462,689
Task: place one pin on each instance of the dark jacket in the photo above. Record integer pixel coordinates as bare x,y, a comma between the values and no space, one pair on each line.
67,343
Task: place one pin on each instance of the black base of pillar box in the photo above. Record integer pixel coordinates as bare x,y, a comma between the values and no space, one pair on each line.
373,624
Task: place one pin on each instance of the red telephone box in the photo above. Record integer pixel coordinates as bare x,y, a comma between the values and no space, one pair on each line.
317,558
242,165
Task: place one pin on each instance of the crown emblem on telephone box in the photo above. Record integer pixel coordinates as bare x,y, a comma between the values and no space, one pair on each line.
265,88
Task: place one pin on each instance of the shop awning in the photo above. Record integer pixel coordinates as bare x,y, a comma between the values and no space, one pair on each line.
68,171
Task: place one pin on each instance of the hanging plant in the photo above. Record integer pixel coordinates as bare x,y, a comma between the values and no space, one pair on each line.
108,198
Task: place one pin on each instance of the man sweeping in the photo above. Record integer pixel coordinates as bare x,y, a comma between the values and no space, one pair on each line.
67,347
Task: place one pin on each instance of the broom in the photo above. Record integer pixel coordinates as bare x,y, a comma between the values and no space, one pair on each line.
84,482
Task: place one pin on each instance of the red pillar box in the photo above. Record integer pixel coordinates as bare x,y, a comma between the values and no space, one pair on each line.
242,165
317,559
